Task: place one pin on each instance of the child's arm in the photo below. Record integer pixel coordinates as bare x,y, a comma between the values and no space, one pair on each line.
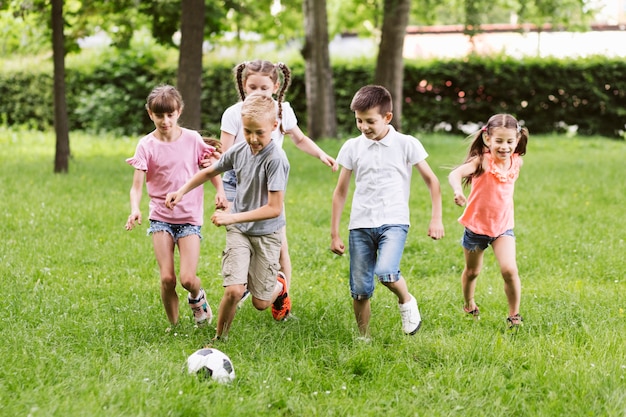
435,228
220,196
227,140
455,179
272,209
306,144
200,178
135,199
339,200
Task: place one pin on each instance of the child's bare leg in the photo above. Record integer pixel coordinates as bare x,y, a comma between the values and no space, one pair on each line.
164,252
473,265
285,259
504,251
189,249
400,289
362,313
228,308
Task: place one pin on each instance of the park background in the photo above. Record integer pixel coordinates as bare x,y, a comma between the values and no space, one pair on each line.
84,331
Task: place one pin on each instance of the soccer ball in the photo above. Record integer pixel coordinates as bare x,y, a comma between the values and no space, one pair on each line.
211,363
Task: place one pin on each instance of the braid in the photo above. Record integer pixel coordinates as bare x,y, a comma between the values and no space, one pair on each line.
281,93
239,69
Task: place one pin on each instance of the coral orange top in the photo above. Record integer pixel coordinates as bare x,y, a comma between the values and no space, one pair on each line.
489,209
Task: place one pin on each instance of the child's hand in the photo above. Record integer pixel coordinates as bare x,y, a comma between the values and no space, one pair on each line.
328,160
172,199
435,230
459,199
222,218
209,159
135,217
221,202
337,246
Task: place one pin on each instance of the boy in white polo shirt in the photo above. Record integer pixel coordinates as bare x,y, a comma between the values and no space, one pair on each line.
382,160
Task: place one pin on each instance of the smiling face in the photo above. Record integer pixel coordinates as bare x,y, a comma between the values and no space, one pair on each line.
501,142
372,124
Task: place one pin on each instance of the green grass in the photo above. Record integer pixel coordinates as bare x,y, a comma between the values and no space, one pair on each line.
83,329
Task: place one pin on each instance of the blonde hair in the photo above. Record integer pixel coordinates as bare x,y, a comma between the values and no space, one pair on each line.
259,107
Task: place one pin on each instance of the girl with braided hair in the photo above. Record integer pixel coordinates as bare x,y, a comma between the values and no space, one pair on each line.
269,79
490,169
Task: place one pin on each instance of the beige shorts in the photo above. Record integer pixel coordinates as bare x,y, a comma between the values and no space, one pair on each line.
252,260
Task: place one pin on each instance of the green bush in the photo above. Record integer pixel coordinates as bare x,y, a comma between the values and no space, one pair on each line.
107,92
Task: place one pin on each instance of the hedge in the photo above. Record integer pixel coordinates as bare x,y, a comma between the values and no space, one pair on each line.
548,95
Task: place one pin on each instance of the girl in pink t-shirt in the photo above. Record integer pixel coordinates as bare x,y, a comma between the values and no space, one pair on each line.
491,168
165,159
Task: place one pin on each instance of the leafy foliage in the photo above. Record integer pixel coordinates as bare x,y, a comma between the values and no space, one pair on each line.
549,94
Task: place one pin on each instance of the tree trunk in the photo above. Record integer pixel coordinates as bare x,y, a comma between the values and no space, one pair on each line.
390,63
189,81
62,154
320,98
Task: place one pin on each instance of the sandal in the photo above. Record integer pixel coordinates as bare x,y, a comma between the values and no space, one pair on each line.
475,312
515,321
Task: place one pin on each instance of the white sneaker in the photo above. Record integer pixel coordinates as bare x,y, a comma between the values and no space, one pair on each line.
411,319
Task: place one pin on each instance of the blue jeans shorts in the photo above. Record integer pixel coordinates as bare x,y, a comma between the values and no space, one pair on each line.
473,241
229,181
175,230
375,252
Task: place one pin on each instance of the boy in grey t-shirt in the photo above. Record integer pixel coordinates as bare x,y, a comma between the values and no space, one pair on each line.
256,217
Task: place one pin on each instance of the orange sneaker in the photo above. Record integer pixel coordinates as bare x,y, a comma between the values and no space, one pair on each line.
282,304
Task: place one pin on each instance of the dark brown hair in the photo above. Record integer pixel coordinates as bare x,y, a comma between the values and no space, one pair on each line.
478,147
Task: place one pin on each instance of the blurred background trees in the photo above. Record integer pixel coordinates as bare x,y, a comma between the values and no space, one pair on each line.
196,27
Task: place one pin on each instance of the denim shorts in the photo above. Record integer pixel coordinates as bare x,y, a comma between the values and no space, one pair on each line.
473,241
375,252
229,181
175,230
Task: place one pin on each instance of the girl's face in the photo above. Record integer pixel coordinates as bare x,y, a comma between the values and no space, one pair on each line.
260,84
165,123
373,124
501,142
258,132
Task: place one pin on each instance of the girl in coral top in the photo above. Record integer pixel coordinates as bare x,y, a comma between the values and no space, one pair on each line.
491,168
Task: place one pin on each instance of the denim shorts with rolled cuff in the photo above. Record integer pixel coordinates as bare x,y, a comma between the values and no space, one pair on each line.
375,252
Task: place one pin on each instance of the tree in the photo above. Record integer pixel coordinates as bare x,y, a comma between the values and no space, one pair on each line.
390,63
319,77
61,159
190,61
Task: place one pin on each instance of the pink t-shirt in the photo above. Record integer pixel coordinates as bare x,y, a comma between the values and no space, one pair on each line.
168,165
489,209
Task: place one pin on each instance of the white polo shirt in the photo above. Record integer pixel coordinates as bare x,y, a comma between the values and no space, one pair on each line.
382,171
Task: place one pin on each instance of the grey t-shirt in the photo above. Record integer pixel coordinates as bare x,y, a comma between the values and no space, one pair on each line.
256,176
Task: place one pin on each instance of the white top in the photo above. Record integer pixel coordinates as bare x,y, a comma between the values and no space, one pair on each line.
382,171
231,122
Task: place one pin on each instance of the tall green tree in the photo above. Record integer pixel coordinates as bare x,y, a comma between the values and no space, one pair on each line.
190,61
62,154
390,62
319,77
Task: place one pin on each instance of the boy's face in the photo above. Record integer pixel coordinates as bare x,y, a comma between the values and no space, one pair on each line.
373,124
258,132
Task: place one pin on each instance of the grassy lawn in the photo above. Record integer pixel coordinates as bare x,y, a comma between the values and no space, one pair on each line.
83,331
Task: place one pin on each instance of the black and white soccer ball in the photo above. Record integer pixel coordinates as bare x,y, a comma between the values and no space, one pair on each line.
211,363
